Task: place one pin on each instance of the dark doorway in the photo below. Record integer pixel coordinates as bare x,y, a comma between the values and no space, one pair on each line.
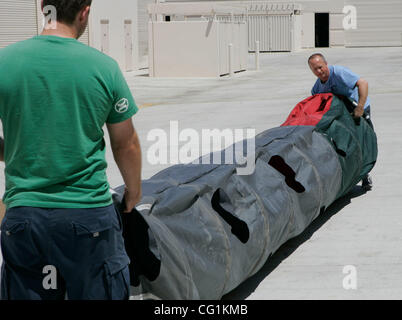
321,30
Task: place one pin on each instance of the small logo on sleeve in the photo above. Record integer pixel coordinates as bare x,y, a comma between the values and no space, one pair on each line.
122,105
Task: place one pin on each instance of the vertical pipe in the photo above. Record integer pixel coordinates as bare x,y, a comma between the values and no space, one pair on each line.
257,55
231,73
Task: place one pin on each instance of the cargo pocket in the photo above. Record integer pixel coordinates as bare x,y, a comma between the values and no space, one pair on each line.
17,243
117,277
11,227
93,229
94,239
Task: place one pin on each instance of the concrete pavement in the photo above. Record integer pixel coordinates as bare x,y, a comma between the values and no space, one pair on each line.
353,250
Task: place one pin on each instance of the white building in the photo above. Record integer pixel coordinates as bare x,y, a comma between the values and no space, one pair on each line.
112,27
378,23
120,27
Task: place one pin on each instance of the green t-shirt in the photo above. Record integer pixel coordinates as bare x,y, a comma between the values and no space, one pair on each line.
56,94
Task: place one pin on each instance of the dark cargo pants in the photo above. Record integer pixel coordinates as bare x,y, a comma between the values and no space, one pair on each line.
50,252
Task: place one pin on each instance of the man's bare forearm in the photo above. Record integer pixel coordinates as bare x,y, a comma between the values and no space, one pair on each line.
363,94
127,154
129,163
128,159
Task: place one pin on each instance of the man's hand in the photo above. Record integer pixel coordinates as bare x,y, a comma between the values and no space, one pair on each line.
131,198
358,112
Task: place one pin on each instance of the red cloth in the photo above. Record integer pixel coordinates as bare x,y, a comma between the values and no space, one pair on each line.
310,111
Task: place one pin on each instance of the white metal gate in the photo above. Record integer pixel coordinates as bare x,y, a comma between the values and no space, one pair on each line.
274,32
18,21
232,33
21,20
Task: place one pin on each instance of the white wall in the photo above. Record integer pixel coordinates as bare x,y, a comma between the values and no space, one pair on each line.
337,32
308,40
379,23
116,12
298,32
196,48
184,49
334,8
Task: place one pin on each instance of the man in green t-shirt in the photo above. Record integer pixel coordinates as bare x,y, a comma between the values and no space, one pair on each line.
61,233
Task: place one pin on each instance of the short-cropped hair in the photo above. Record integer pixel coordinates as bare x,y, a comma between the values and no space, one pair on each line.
315,55
67,10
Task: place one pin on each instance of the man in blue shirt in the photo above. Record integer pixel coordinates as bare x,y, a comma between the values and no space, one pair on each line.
340,80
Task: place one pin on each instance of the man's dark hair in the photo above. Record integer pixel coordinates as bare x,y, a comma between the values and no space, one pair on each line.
316,55
67,10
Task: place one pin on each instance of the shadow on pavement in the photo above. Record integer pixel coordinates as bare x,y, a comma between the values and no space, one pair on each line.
249,286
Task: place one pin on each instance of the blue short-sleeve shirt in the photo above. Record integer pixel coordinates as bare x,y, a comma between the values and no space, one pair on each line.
341,81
